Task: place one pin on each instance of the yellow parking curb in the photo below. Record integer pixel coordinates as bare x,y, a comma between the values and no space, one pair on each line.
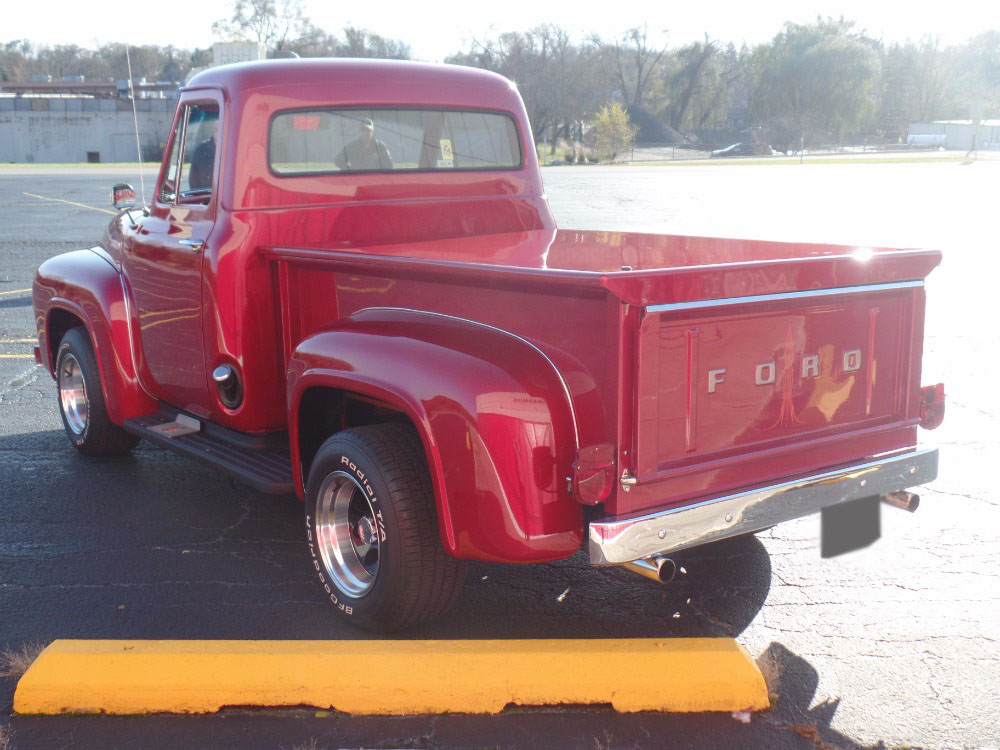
390,677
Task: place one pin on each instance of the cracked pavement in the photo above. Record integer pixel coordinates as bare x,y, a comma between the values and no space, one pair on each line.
891,646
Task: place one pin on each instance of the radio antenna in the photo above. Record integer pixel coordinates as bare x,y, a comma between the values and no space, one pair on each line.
135,120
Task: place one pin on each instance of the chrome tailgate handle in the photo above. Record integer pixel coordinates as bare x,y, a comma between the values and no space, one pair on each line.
196,245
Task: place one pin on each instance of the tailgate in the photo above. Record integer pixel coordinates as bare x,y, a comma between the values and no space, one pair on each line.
743,391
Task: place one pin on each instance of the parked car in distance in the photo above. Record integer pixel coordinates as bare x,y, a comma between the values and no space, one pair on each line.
744,149
737,149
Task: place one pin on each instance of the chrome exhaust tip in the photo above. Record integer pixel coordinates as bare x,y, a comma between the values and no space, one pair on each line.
909,501
659,569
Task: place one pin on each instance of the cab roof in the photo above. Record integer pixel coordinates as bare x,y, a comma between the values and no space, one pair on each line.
382,74
256,92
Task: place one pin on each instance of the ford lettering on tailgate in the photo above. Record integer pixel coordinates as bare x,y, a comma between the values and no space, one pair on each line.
748,376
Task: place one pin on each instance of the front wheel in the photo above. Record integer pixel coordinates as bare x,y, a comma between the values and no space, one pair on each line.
372,529
81,401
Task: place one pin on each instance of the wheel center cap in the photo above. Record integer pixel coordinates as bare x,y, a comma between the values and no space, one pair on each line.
364,534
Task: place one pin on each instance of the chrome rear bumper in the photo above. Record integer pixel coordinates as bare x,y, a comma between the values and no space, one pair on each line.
617,541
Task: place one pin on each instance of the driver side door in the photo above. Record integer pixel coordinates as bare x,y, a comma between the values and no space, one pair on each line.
163,268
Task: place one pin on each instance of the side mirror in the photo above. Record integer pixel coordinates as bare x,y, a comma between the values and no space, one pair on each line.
123,196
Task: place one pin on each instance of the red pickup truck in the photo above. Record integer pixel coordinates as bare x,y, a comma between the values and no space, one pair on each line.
348,285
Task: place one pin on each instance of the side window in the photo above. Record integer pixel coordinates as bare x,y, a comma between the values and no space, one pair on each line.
191,166
198,166
168,190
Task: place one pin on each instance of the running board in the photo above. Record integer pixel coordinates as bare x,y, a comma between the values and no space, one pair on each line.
262,463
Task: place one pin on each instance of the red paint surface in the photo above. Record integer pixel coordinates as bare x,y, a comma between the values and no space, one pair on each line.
291,264
86,284
747,433
495,420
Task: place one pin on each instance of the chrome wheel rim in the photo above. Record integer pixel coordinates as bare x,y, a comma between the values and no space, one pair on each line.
347,533
73,394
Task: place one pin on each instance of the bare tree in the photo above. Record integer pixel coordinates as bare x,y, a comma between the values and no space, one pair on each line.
283,27
635,64
817,81
15,60
561,82
363,43
688,80
276,23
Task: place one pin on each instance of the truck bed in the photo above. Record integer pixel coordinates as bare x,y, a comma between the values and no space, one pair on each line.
644,269
815,348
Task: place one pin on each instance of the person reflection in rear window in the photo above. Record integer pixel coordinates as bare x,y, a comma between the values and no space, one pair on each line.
366,152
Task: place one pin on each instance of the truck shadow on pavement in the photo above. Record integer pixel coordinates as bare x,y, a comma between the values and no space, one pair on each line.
717,591
143,546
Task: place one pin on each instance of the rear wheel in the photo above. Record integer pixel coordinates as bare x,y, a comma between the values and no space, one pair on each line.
372,529
81,400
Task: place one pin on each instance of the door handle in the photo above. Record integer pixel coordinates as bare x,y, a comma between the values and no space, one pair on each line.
196,245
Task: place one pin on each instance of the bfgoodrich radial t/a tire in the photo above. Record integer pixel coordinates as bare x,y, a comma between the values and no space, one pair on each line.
372,529
81,400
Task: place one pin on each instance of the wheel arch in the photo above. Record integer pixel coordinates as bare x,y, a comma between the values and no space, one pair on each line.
64,315
82,288
492,413
325,409
60,320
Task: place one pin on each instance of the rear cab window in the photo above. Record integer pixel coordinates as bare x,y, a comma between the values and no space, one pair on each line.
325,141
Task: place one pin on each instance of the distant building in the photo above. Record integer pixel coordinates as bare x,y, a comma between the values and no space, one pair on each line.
76,121
226,53
73,120
955,134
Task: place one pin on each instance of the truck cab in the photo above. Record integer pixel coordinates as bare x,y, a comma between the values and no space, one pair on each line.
348,285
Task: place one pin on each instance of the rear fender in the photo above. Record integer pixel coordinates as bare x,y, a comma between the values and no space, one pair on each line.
86,285
492,411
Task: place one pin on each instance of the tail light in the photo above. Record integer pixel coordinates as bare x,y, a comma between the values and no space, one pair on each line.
932,406
593,473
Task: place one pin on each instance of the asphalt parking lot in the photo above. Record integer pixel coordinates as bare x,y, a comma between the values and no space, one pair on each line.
892,646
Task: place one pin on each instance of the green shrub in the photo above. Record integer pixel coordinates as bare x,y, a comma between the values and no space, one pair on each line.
612,132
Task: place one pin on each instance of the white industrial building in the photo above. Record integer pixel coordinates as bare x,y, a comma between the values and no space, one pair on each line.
955,134
72,120
46,127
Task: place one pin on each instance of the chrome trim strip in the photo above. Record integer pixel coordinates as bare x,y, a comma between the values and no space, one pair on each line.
562,380
615,542
784,296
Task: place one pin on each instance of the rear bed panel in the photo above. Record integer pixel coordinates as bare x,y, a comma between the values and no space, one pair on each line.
738,392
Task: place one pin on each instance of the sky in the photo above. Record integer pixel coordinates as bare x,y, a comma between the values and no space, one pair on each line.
435,30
